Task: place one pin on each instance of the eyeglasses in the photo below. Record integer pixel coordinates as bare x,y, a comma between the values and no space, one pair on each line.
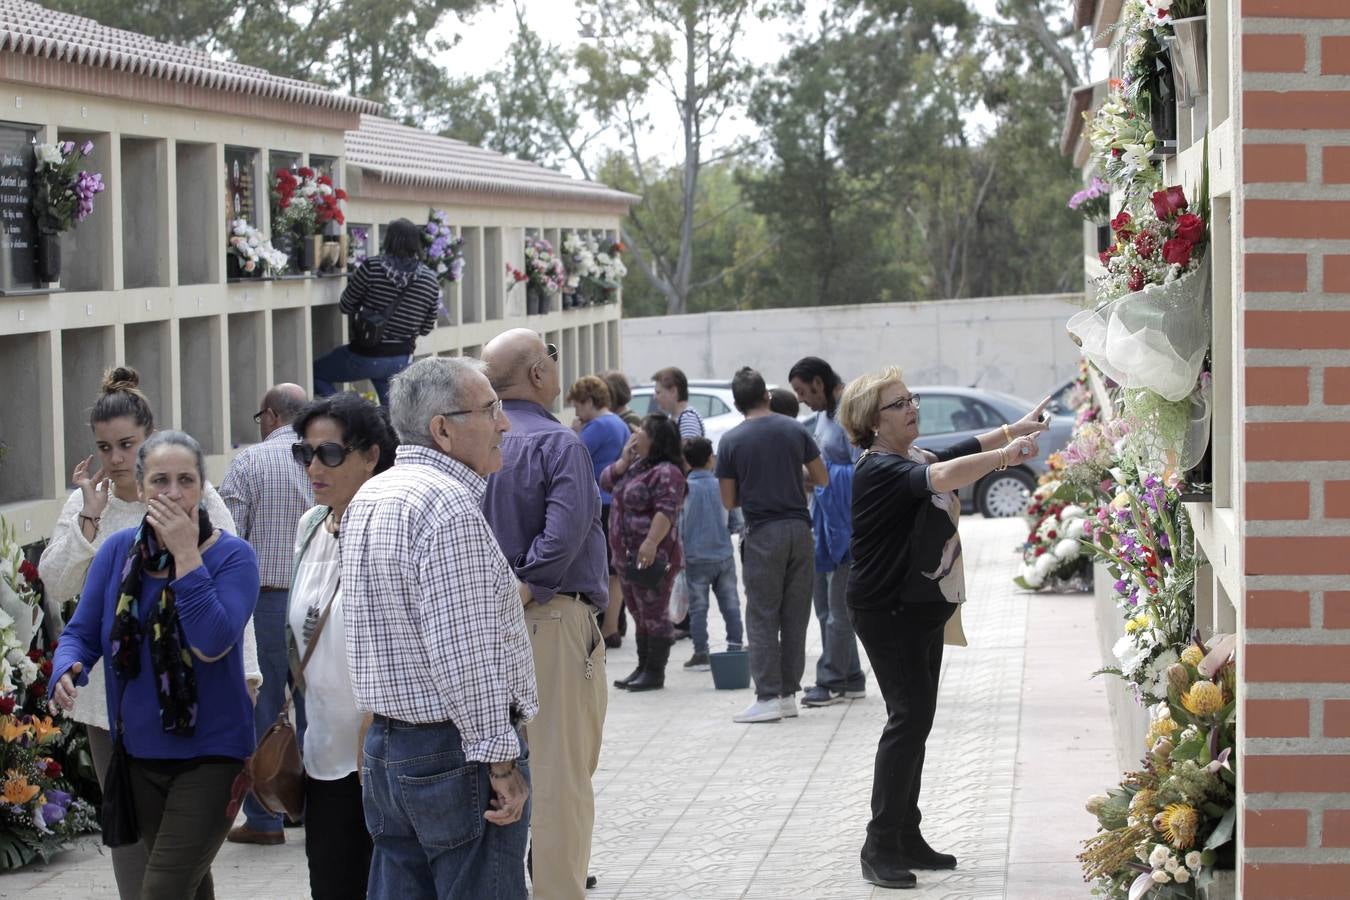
901,403
493,411
552,351
329,453
257,416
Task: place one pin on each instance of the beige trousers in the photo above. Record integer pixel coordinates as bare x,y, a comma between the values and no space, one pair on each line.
564,740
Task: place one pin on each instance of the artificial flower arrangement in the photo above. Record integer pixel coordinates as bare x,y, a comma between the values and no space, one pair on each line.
63,193
1167,827
442,249
303,202
357,238
1053,555
1122,142
40,811
595,268
253,252
544,270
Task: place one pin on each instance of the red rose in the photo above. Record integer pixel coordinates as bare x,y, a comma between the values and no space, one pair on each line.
1167,203
305,172
1177,252
28,571
1190,228
1040,550
1117,153
1105,255
1145,244
1121,224
1051,535
1136,282
35,655
46,669
53,769
6,705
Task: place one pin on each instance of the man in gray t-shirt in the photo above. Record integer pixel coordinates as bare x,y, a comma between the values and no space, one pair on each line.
760,466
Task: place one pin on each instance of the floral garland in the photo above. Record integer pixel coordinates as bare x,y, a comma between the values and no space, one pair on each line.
442,249
63,195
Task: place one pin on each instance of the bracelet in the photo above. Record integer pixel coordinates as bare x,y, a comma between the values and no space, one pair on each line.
1007,433
94,519
1003,460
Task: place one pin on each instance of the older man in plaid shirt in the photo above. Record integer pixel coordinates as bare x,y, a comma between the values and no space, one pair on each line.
438,650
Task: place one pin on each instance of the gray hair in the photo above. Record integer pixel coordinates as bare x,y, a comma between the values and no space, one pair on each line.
429,387
169,439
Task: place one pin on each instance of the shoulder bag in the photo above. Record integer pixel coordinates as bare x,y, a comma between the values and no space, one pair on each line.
367,325
117,816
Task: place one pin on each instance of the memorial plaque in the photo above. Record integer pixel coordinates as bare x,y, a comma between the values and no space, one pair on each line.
18,225
239,188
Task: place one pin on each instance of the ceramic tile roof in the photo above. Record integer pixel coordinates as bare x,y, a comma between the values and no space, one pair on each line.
32,30
401,155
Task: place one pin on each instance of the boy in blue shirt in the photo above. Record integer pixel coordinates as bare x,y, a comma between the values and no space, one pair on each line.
706,529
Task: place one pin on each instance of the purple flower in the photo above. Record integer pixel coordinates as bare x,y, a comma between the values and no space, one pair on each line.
1120,587
60,798
1162,540
87,184
432,229
87,148
67,147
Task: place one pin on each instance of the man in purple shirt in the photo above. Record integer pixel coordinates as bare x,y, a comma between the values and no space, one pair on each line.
544,508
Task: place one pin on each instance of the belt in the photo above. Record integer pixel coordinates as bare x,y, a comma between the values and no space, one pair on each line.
274,590
515,718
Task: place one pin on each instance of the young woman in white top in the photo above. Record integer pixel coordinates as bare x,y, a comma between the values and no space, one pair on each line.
105,502
344,441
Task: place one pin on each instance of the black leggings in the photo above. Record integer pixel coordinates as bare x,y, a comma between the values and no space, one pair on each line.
905,647
337,845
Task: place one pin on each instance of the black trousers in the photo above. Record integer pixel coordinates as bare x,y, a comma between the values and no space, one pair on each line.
337,845
904,645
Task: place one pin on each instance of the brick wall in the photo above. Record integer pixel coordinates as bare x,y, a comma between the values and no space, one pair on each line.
1294,83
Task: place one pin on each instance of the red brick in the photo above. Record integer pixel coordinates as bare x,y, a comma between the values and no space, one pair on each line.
1298,556
1294,9
1308,219
1277,386
1298,662
1278,609
1298,440
1276,718
1336,165
1336,498
1294,110
1336,828
1336,718
1296,773
1267,272
1277,500
1336,273
1287,330
1336,609
1275,827
1274,163
1336,385
1336,55
1273,52
1295,881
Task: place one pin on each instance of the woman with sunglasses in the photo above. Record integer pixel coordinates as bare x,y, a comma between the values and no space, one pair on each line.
345,440
648,486
906,582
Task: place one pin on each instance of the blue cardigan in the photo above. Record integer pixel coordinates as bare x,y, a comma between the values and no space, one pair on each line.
214,601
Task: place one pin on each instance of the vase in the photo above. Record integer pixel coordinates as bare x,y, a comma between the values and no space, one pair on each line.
330,253
1190,59
1103,238
1162,108
536,301
234,268
48,257
309,252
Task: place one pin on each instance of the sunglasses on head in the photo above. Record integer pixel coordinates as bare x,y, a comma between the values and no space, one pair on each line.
329,453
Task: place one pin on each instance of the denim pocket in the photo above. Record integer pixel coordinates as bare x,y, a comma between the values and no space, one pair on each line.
369,805
444,808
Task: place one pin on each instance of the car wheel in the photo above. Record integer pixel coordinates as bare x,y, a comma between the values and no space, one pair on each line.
1004,494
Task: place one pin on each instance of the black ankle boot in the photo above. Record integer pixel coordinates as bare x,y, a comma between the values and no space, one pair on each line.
653,675
886,872
642,646
918,855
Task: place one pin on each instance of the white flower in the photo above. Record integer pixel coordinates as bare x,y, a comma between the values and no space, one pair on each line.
1182,876
1067,549
1193,860
1075,528
1171,865
1071,512
1160,876
1159,856
49,154
28,670
1046,564
1033,578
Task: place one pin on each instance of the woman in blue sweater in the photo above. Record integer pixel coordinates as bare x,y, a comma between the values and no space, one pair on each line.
165,603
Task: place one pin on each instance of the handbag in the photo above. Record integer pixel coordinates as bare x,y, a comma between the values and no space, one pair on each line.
650,577
275,773
117,816
367,325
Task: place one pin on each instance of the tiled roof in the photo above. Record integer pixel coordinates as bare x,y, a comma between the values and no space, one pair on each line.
32,30
401,155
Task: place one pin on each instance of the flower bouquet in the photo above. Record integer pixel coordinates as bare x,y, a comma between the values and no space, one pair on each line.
304,204
442,250
545,276
1167,827
1093,202
1122,142
251,254
357,238
1053,555
63,196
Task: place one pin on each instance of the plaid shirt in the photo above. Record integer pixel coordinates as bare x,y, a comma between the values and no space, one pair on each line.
435,627
267,492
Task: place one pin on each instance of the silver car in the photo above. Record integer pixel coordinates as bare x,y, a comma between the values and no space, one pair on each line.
711,399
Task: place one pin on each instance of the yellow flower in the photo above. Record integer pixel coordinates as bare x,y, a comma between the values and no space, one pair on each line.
1161,727
11,729
45,729
1192,655
1180,823
17,790
1203,699
1140,621
1141,805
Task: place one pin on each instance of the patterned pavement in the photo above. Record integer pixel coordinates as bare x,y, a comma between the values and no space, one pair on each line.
691,805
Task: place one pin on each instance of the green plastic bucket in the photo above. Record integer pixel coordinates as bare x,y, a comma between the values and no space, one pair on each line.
730,670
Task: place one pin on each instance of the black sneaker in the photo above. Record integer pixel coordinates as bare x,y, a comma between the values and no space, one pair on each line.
822,696
698,663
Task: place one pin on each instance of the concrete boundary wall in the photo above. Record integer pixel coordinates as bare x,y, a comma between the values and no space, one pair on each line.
1013,344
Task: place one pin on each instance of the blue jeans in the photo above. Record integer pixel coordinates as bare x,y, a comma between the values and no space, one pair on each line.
269,625
424,805
839,667
343,365
721,577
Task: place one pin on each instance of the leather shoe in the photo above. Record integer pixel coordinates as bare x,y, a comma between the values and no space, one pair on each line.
242,834
887,873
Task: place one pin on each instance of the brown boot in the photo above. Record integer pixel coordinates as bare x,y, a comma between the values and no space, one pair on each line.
242,834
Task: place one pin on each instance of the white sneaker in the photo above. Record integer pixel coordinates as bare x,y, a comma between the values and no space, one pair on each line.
789,706
760,711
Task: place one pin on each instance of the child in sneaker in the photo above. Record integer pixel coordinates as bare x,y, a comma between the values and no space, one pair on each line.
706,529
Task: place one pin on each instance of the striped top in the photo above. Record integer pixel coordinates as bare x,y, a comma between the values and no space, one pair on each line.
376,283
689,423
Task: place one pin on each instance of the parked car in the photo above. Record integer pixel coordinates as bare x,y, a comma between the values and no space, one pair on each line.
948,415
711,399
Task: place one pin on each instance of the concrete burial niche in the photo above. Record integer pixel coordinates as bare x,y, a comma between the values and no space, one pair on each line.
26,423
86,353
145,212
196,176
87,250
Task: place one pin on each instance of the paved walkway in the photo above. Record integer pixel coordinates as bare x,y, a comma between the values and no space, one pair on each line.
691,805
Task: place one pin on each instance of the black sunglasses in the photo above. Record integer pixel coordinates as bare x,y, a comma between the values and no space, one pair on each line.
329,453
257,416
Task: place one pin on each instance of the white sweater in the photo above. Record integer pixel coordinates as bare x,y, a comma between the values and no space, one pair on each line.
66,560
